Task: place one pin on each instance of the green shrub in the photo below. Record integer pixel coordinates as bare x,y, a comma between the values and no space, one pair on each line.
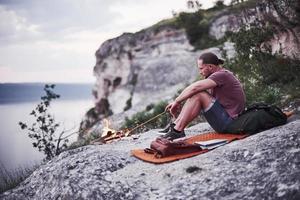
192,25
265,77
43,130
196,26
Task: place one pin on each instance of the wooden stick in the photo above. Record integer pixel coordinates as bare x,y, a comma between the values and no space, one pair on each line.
146,122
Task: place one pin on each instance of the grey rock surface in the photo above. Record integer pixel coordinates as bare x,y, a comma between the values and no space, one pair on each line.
262,166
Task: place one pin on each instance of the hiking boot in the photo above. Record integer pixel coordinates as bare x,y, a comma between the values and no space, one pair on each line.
167,128
172,134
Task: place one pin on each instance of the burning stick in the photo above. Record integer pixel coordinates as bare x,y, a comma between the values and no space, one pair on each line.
106,130
110,134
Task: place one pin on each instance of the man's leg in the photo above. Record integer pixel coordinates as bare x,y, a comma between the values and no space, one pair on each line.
191,109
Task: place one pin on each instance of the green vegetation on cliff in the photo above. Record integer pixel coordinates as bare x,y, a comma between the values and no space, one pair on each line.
266,77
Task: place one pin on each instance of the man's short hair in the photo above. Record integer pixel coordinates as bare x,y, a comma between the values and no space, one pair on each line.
210,58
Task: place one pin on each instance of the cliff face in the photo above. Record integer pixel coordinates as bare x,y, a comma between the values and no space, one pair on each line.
284,17
262,166
137,69
148,61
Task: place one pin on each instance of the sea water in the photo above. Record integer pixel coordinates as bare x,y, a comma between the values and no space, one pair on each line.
16,148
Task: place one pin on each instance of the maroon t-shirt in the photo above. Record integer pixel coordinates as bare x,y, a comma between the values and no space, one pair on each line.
228,92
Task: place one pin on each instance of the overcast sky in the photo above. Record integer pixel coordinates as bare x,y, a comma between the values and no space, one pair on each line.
55,40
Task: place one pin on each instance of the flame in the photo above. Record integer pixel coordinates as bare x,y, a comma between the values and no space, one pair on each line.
109,134
106,131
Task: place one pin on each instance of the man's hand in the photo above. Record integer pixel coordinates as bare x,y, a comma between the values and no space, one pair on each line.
173,108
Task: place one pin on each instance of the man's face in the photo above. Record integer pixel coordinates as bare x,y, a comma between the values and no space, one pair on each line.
204,69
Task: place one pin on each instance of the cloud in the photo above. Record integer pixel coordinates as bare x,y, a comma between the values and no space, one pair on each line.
134,17
52,19
60,36
14,27
56,17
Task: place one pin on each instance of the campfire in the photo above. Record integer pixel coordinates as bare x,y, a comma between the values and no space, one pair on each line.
109,134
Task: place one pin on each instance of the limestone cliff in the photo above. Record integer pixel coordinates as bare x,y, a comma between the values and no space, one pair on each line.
262,166
136,69
131,66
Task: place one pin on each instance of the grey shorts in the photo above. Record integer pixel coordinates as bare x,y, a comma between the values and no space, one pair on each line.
216,116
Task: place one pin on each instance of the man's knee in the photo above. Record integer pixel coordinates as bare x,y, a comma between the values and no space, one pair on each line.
202,97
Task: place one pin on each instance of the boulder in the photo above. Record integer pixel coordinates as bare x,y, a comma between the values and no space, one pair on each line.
262,166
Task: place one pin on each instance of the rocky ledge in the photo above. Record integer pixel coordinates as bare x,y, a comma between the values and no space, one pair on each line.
262,166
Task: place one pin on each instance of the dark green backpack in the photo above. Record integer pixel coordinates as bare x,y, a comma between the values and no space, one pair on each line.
256,118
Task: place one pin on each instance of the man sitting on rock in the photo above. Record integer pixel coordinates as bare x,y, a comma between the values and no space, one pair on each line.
219,97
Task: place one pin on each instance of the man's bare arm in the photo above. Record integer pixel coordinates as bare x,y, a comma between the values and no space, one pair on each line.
189,91
194,88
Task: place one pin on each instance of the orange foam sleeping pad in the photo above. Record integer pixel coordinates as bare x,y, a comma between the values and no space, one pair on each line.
139,153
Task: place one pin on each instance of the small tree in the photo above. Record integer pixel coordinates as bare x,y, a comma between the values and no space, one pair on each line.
43,130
